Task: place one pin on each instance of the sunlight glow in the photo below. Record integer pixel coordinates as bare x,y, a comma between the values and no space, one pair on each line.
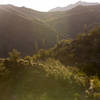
42,5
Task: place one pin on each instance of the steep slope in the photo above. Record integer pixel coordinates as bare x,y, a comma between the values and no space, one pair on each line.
75,21
23,11
36,30
69,7
83,52
23,32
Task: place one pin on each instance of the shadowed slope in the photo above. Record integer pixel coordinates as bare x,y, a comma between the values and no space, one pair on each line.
20,31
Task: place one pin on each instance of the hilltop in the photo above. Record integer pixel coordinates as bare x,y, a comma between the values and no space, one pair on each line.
69,7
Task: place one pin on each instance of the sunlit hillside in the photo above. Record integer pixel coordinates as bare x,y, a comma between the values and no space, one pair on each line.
50,55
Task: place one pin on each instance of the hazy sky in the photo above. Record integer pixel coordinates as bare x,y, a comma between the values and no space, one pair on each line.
42,5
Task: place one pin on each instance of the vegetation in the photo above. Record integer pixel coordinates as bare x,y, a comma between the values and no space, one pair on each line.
82,52
25,79
68,71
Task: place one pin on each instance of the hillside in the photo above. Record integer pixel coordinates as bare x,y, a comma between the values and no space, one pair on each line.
36,30
49,74
32,68
76,21
82,52
69,7
23,32
25,79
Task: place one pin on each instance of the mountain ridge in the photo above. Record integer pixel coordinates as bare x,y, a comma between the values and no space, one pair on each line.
35,28
69,7
20,31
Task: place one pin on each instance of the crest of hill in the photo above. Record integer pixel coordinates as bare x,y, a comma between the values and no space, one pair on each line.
75,21
69,7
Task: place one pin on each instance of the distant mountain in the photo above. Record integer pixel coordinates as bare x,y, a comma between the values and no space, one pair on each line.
29,30
20,29
69,7
78,20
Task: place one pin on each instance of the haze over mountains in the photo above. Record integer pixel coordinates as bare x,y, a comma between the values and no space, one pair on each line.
79,3
75,21
29,30
28,73
19,29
